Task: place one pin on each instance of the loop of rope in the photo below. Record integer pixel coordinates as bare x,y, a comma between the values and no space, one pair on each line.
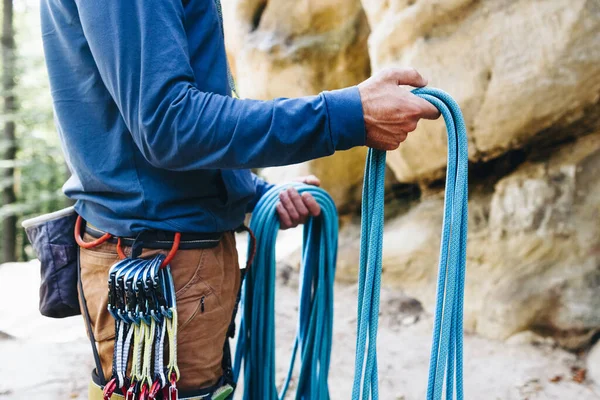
256,343
172,334
446,362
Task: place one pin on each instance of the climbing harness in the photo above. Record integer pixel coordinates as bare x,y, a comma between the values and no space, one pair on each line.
256,343
446,352
141,299
107,236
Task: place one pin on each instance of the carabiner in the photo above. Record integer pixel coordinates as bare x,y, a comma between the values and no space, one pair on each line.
132,391
144,392
154,390
109,389
173,393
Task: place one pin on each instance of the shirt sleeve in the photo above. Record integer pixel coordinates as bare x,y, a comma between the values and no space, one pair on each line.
262,187
140,49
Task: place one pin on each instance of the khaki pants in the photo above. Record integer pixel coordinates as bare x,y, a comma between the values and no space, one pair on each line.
211,276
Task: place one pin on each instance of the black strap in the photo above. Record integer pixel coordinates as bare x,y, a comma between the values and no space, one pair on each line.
88,325
227,362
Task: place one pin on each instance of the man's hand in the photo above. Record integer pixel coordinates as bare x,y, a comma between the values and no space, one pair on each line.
392,112
294,209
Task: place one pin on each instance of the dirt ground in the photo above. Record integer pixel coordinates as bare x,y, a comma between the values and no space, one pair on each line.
42,358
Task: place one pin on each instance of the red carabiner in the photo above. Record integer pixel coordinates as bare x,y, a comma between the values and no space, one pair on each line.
154,390
109,389
132,391
173,393
144,392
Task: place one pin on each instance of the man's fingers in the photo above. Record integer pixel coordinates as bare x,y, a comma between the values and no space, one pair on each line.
294,209
309,180
284,219
311,204
298,204
284,197
428,110
312,180
406,76
402,135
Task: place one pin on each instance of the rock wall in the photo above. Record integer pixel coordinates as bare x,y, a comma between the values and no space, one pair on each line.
520,69
300,48
297,48
527,76
533,253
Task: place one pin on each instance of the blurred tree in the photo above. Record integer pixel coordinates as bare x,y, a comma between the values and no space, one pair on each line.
9,145
37,169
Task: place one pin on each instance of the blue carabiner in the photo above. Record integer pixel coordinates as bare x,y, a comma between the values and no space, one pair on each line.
149,277
123,276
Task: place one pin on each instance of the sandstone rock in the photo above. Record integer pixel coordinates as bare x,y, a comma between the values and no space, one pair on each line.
293,49
533,250
524,73
520,69
528,338
278,48
593,365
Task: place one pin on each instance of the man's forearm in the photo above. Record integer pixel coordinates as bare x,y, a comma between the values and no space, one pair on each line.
212,131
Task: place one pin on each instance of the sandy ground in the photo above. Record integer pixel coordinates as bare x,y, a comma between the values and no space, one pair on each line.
42,358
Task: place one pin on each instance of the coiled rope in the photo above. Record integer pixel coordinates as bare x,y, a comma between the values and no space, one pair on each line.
447,344
256,343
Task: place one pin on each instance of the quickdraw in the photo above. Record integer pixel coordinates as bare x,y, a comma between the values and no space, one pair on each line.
141,299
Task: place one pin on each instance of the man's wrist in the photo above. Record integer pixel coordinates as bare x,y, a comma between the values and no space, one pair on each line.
346,118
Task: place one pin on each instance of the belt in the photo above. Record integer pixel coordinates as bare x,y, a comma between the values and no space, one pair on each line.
163,240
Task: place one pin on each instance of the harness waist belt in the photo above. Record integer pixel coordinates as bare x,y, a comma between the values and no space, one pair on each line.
162,240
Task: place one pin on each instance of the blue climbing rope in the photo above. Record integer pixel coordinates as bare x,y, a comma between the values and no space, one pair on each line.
256,344
447,348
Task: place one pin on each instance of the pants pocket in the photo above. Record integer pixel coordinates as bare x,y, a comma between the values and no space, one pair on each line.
205,309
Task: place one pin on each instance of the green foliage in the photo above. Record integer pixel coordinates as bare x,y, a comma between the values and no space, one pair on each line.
40,167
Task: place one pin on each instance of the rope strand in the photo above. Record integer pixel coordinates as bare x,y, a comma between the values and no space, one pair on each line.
446,362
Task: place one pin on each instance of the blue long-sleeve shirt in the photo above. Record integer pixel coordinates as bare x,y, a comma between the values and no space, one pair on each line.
149,130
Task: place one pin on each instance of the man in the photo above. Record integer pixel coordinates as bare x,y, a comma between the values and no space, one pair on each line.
156,146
